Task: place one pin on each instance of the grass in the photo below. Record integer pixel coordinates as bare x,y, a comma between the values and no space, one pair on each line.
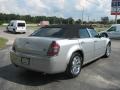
2,27
33,28
3,42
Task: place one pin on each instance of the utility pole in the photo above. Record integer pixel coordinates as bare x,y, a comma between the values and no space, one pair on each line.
115,19
116,13
82,15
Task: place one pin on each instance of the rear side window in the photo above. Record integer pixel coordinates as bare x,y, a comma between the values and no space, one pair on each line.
84,33
49,32
21,24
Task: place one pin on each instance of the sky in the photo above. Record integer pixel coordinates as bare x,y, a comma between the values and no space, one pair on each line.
94,9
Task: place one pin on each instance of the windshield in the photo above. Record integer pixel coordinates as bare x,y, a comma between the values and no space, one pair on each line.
49,32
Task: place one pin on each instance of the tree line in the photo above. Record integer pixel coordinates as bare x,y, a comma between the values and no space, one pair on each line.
5,18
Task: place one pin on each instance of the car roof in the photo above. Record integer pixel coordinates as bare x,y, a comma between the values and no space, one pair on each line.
70,31
74,26
17,21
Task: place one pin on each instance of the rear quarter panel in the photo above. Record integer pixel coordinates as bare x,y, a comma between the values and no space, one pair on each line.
67,48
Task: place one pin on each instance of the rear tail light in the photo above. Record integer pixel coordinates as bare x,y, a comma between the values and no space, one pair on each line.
53,49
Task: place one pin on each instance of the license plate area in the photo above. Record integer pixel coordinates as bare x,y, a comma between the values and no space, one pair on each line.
25,61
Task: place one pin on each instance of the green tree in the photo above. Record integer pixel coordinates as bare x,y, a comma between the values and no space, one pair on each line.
6,18
78,21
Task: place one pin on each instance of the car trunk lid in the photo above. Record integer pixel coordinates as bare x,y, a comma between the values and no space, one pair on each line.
34,45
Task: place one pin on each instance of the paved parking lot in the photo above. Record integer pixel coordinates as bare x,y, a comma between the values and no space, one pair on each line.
11,36
103,74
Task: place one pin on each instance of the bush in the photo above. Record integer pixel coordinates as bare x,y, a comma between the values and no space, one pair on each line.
3,42
1,22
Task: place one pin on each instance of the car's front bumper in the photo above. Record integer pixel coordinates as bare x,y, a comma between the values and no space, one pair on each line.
36,63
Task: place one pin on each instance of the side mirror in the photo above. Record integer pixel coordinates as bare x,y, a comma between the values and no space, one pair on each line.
98,36
104,35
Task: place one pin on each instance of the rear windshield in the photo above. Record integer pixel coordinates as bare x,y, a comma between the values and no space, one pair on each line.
21,24
49,32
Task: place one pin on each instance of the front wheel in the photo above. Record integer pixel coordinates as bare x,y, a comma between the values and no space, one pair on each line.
14,31
74,66
108,51
7,29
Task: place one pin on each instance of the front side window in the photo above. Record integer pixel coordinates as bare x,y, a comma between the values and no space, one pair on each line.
11,24
84,33
49,32
93,32
112,29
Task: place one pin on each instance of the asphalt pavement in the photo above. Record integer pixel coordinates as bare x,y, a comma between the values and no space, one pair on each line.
102,74
11,36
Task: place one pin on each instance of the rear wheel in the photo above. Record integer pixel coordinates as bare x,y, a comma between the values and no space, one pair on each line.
24,32
108,51
74,67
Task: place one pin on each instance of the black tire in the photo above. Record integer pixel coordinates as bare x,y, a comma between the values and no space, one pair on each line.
14,31
108,51
7,29
24,32
70,71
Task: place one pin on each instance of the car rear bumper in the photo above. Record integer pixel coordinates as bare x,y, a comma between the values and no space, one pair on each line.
40,64
20,30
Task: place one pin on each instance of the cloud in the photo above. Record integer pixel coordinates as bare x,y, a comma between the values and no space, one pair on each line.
61,8
82,4
4,5
12,6
105,5
45,7
95,9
